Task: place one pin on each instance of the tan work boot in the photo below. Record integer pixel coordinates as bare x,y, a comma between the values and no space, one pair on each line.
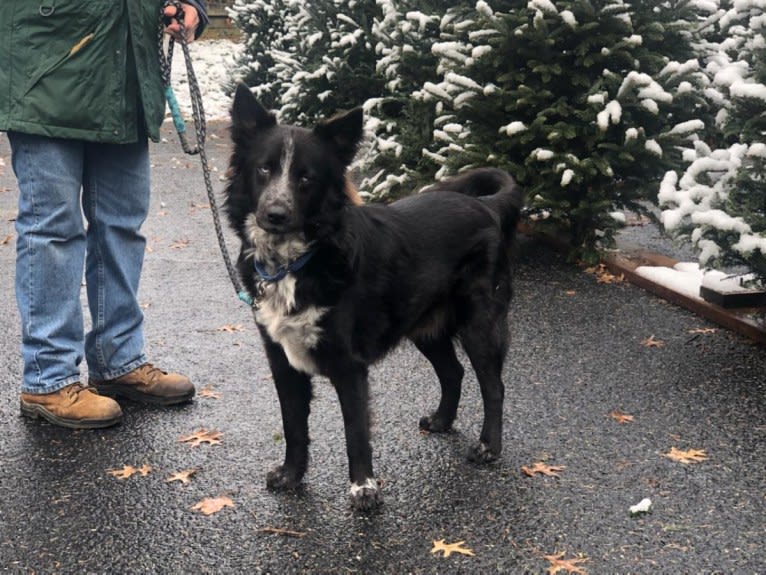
148,384
75,406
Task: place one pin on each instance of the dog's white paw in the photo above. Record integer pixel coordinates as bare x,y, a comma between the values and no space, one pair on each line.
366,496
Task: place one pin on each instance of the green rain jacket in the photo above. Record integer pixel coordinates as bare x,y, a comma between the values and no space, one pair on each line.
82,69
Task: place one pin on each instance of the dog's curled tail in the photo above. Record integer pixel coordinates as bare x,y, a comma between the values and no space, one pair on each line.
496,188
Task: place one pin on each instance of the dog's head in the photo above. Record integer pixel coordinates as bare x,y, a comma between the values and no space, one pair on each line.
290,180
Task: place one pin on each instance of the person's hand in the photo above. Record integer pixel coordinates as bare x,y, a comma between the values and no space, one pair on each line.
191,21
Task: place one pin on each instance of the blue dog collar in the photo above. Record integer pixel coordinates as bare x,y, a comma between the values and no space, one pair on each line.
282,271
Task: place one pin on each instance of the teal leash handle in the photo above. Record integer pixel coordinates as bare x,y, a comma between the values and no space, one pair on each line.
245,297
175,110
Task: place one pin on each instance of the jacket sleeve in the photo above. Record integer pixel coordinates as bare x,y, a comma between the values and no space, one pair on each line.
202,11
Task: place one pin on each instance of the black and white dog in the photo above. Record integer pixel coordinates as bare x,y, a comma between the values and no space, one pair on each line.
338,285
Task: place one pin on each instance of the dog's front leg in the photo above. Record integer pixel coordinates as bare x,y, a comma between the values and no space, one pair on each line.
353,391
294,391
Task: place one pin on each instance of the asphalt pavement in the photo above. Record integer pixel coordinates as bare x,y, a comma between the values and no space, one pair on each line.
581,350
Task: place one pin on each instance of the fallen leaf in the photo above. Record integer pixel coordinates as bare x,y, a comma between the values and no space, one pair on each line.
179,244
542,469
124,473
704,330
283,532
6,240
231,328
651,341
688,456
570,565
604,276
449,548
128,471
195,206
212,505
202,436
621,417
209,393
182,476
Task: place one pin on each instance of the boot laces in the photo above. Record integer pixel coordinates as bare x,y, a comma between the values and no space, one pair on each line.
74,391
150,371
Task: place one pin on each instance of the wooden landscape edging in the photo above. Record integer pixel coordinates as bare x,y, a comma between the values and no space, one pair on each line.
739,320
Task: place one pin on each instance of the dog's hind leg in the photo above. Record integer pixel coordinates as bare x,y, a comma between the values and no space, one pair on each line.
294,391
486,344
441,353
353,392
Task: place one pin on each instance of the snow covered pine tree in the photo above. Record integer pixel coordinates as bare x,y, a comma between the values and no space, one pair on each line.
720,200
307,60
573,100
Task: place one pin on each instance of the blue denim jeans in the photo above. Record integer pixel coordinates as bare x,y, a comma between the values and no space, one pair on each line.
63,184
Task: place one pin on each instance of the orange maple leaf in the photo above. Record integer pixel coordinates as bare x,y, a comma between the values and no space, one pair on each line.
182,476
211,505
570,565
128,471
604,276
449,548
621,417
651,341
542,469
208,392
202,436
688,456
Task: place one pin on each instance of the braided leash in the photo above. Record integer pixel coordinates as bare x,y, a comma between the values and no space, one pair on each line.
198,114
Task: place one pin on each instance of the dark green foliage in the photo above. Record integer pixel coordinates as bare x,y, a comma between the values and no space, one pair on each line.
590,95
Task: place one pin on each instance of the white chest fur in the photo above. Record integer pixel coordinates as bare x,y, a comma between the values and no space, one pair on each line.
297,333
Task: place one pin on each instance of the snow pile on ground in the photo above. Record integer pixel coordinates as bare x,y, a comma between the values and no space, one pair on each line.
684,277
687,277
213,62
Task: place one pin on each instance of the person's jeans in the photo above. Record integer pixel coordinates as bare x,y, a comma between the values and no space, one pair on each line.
59,181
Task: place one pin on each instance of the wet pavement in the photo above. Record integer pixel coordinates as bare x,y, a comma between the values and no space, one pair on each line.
576,356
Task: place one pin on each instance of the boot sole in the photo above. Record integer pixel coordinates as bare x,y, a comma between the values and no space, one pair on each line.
39,412
129,392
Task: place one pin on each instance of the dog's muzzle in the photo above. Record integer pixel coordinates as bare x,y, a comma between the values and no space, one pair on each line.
274,218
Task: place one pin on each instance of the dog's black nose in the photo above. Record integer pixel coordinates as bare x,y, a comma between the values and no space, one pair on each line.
277,215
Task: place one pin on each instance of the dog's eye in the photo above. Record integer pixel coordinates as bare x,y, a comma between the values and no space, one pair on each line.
305,181
263,171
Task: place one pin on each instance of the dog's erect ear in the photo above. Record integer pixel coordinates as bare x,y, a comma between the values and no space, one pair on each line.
247,112
342,133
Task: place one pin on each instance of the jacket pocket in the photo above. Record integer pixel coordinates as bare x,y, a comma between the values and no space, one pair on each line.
48,66
57,30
